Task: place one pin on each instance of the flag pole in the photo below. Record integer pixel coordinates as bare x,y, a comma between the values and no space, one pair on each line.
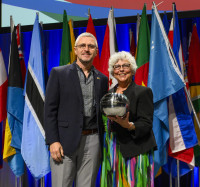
137,27
20,178
15,181
11,31
20,181
170,175
42,182
88,12
199,176
42,179
177,161
186,91
11,26
178,173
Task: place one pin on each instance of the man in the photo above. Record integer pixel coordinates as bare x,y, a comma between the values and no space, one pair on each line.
73,122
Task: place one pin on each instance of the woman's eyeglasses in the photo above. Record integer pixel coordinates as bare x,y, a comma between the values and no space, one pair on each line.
124,66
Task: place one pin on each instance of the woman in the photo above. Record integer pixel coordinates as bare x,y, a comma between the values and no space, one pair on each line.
129,142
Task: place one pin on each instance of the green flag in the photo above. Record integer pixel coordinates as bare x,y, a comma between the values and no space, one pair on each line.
66,42
143,50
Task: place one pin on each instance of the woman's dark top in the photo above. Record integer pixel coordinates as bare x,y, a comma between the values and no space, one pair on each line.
141,140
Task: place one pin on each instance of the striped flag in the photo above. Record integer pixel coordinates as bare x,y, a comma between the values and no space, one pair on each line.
15,112
109,47
34,150
194,82
193,72
164,79
143,50
182,134
90,28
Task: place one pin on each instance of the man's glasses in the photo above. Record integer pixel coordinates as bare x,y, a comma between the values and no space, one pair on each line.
124,66
83,46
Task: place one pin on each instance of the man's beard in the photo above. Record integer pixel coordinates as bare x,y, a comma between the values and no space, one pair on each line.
85,62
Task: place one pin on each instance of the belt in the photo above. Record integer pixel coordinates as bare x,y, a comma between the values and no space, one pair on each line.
89,131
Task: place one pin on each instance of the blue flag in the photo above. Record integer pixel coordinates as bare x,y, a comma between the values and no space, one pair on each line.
164,79
34,150
165,22
15,111
182,133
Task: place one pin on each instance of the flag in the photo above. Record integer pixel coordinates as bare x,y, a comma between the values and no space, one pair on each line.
21,56
109,47
137,27
1,142
3,88
66,42
3,101
194,83
132,42
72,53
46,76
15,111
182,137
34,150
193,73
165,22
90,28
143,50
164,79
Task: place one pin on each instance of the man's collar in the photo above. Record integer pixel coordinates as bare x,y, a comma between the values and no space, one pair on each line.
92,68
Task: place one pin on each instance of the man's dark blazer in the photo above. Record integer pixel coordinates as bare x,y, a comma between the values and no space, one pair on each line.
64,107
141,140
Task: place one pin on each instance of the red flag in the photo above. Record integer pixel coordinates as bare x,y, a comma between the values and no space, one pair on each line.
91,29
105,54
3,88
193,73
3,102
194,83
109,47
180,120
21,56
132,43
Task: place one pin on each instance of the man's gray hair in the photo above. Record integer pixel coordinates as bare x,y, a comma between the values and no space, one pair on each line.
123,55
86,34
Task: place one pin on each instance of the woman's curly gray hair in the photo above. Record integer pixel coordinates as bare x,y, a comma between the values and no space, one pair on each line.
123,55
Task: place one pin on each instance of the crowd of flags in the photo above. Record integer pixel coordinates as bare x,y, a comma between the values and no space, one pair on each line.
161,66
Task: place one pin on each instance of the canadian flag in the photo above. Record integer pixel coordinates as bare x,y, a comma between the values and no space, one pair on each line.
109,47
